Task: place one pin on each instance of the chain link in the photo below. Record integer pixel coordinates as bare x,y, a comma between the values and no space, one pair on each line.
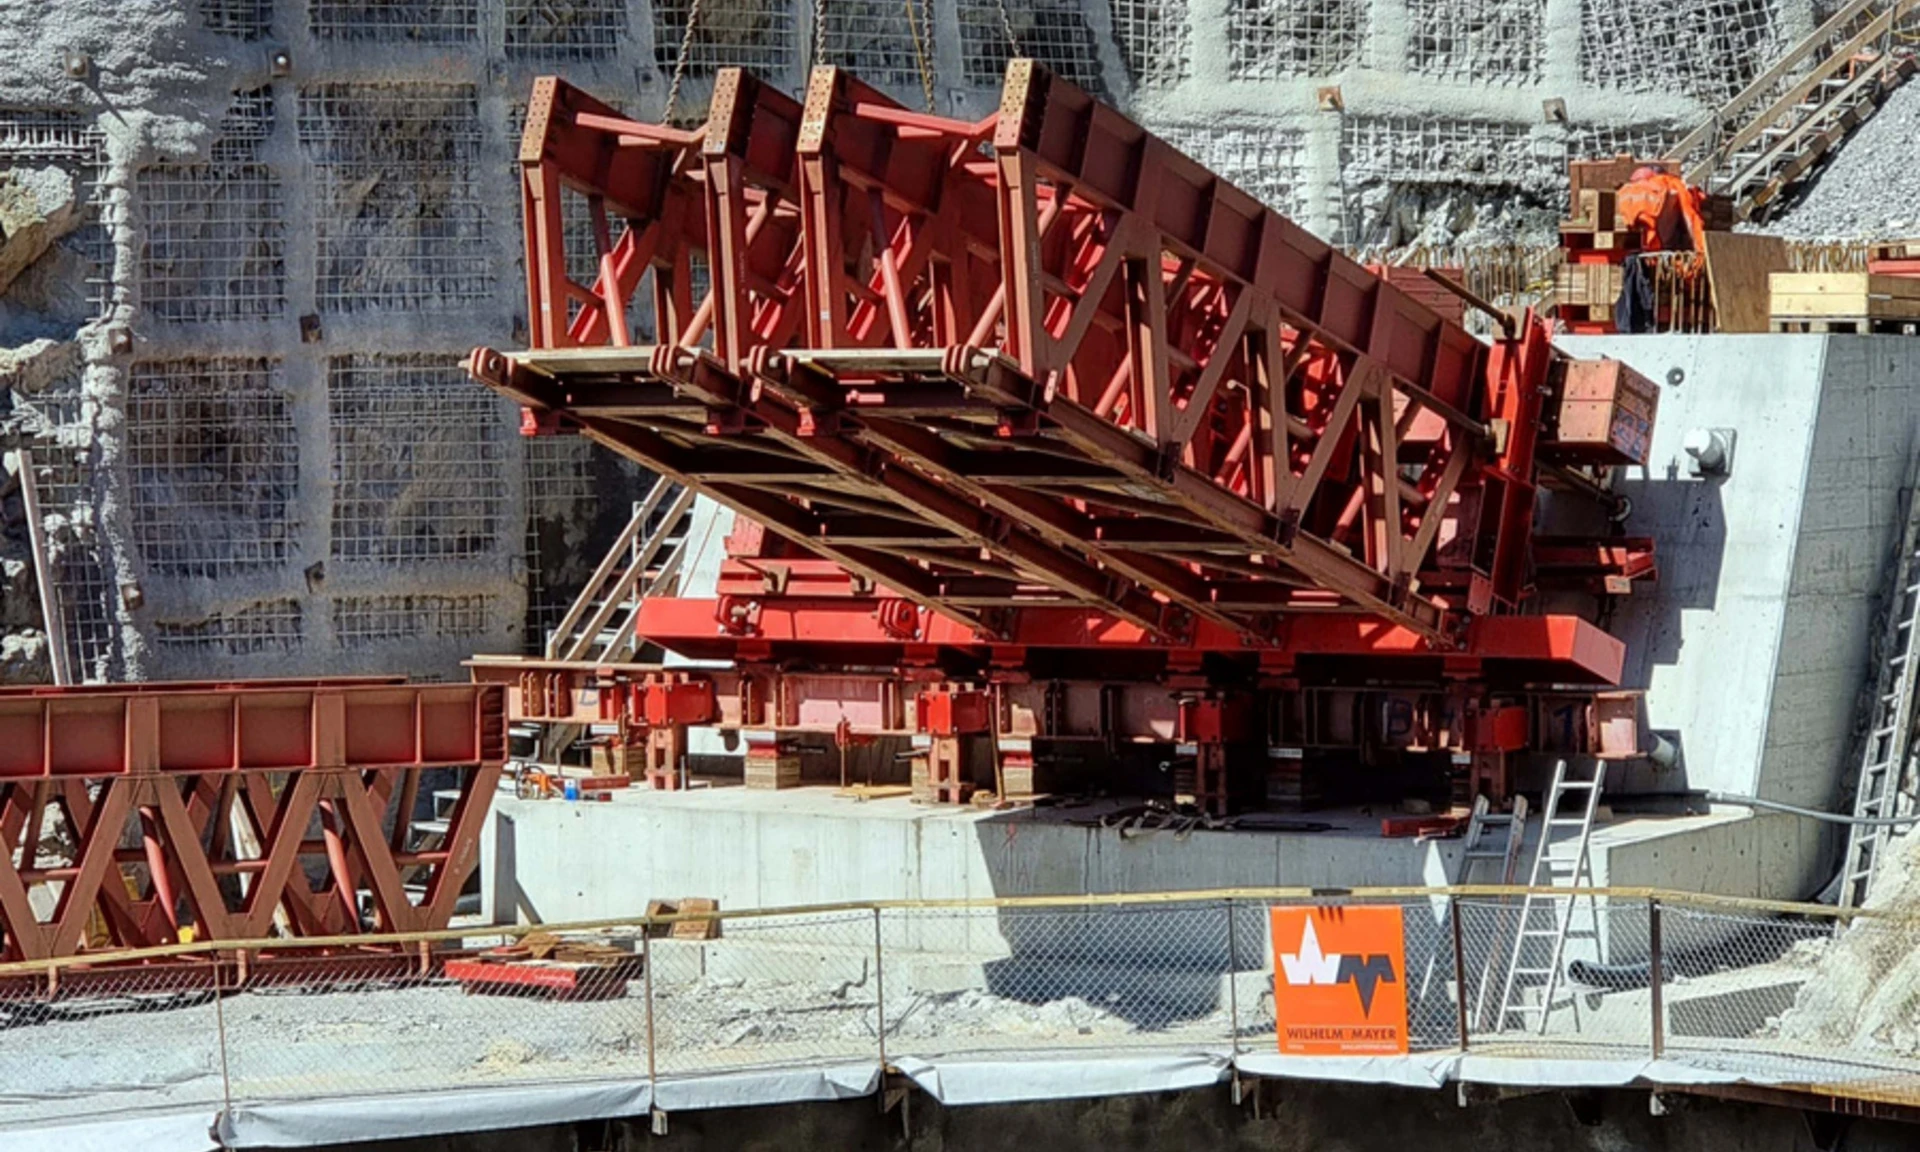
1006,25
922,30
819,49
680,64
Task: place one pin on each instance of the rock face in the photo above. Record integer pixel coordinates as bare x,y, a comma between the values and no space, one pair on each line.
1866,991
33,366
37,207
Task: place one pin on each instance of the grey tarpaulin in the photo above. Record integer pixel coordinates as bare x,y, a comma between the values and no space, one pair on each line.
959,1081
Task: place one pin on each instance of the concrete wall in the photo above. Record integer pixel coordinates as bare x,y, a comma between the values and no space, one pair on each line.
1753,647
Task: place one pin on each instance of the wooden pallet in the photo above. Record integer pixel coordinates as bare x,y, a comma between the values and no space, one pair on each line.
1860,299
1856,325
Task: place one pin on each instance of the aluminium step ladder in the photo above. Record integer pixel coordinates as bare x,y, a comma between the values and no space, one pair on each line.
1886,758
1489,855
1562,859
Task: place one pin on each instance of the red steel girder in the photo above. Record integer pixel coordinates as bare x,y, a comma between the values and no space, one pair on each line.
222,786
1079,371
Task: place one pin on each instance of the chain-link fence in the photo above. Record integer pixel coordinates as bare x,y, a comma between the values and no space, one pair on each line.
1729,989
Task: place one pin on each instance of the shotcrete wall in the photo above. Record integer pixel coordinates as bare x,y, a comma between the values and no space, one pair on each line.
254,447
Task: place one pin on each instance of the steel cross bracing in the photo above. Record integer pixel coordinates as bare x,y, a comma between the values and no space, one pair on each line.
157,811
1041,361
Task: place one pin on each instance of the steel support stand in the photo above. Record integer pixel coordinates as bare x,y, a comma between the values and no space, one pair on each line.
1656,978
1459,970
646,976
879,992
1233,986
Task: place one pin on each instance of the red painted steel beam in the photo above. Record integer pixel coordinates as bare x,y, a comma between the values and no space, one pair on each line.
179,769
1042,339
1561,648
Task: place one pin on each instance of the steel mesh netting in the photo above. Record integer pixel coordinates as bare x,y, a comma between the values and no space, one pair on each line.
1155,40
100,1041
758,35
767,992
565,29
1477,41
399,213
1093,976
214,465
417,460
1054,32
1271,39
367,1024
418,21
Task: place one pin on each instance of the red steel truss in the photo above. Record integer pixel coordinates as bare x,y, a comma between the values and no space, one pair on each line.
235,811
1040,396
1042,360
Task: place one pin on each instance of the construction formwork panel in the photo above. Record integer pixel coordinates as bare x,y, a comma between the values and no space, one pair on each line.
1053,32
366,621
270,626
1428,150
213,462
414,21
1155,40
888,43
419,458
213,242
565,29
398,210
1268,162
1270,39
247,19
1476,41
1707,50
761,36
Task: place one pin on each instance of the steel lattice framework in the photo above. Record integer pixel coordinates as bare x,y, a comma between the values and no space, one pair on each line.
238,811
1041,408
1037,365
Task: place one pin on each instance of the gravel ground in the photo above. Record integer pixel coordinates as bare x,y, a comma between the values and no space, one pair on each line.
1869,190
396,1037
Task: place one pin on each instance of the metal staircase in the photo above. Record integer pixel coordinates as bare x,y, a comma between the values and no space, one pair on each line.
1777,128
1886,765
645,560
1563,859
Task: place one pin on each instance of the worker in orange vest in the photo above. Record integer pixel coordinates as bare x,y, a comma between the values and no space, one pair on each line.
1667,212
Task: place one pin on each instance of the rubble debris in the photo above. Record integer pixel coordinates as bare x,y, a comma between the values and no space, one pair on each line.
1865,991
33,367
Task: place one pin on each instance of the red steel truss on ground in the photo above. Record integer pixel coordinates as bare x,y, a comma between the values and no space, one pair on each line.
1038,397
239,810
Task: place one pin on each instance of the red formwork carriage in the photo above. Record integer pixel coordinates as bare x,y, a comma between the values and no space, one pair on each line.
1042,432
140,815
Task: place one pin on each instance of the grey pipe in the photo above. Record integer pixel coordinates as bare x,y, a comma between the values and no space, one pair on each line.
1814,813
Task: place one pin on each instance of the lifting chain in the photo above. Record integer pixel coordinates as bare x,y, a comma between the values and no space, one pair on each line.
819,50
680,64
1006,25
922,30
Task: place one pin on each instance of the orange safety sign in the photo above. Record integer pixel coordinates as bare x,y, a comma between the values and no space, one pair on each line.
1339,981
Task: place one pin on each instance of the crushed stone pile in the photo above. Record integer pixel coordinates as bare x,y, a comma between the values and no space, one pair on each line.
1865,992
1871,188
